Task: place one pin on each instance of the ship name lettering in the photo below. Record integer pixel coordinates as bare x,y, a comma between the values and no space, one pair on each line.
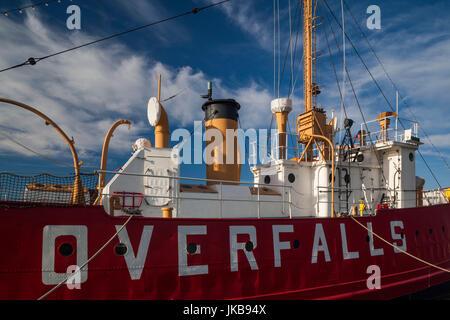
373,251
183,268
136,259
235,246
347,254
135,262
320,244
280,245
396,236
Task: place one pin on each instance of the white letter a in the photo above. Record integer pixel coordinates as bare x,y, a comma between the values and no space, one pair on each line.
374,281
374,21
73,21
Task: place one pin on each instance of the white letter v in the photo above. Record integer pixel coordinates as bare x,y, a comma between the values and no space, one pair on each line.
135,263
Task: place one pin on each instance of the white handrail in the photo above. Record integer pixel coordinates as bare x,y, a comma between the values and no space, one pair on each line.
172,197
194,179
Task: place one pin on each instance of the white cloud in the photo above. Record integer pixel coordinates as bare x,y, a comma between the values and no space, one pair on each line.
440,140
87,90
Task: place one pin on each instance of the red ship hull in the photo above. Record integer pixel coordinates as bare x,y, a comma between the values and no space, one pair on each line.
307,258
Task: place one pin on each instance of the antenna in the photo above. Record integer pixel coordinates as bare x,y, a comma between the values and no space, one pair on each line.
209,95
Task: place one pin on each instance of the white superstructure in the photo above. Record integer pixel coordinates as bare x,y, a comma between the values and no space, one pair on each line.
381,171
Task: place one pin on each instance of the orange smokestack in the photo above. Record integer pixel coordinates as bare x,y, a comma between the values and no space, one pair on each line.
222,114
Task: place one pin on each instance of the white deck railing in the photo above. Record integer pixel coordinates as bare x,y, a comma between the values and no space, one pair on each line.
221,199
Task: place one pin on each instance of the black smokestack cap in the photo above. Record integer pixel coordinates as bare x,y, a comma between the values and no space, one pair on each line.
221,109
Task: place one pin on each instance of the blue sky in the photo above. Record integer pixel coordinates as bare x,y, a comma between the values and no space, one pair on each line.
87,90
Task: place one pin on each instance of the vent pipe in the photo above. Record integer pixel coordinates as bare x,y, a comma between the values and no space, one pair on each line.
280,108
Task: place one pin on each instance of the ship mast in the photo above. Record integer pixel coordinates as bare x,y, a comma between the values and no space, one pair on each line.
307,54
310,87
312,127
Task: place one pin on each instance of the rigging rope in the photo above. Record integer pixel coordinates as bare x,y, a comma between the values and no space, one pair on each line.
84,264
290,36
289,47
372,144
33,61
292,83
392,82
33,6
173,96
377,85
278,13
397,248
344,68
334,71
274,51
280,80
340,93
32,151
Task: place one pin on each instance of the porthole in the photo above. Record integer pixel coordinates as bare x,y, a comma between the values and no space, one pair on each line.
417,233
296,244
267,179
121,249
402,235
430,231
367,238
411,156
443,229
360,157
65,249
291,177
191,248
249,246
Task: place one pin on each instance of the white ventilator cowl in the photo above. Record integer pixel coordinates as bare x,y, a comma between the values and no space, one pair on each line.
153,111
281,105
141,143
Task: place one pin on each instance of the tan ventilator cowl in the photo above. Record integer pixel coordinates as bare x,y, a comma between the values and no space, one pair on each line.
281,108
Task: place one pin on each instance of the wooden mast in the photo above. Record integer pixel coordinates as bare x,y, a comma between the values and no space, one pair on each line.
307,54
162,127
312,127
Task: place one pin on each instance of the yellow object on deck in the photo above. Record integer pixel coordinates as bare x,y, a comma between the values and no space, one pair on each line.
447,194
167,212
362,207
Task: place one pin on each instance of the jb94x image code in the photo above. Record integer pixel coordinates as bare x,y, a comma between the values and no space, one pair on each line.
225,310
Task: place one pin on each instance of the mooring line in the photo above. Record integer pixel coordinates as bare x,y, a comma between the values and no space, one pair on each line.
89,260
400,250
